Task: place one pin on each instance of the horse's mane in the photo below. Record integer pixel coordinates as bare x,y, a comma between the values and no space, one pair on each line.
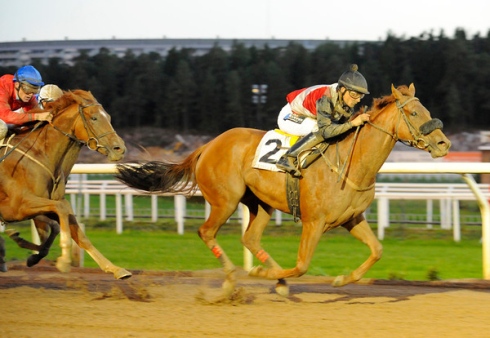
382,102
76,96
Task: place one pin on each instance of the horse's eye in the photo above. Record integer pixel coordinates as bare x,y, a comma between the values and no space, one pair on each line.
93,118
414,113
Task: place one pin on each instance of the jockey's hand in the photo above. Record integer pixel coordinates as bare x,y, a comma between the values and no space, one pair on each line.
360,120
43,117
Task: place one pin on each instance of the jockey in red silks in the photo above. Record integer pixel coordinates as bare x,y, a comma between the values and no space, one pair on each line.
17,98
321,112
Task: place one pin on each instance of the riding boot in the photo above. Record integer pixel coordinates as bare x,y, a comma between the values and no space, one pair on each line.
288,162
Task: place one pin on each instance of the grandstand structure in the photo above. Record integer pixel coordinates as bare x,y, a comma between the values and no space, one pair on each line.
26,52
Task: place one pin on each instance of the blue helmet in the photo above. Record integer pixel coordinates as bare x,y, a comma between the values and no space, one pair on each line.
30,75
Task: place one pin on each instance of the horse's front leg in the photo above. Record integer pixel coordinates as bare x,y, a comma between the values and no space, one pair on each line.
310,236
83,242
360,229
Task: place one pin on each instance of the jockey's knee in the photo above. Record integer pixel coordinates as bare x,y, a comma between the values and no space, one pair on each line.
3,129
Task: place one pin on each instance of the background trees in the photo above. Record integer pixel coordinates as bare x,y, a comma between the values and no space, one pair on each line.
211,93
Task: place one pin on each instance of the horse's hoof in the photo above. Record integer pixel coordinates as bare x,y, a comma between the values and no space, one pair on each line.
282,288
12,233
122,274
255,271
63,266
228,288
339,281
33,260
3,267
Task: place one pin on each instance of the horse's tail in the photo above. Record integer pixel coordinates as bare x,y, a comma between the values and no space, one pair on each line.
159,176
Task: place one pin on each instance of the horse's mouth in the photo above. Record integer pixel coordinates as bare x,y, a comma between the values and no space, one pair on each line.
115,156
440,150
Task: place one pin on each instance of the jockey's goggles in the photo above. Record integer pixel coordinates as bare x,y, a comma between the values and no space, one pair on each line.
29,89
355,95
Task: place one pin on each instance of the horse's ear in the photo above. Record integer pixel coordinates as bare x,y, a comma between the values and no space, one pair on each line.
411,89
396,92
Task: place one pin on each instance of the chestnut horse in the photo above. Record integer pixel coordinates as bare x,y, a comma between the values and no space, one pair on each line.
335,190
34,168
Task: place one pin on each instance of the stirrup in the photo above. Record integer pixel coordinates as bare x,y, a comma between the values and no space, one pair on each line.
285,164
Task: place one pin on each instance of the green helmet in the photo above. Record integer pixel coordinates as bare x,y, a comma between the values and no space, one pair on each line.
353,80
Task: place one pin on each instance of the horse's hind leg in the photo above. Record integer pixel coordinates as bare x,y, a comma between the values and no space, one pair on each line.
42,228
360,229
3,266
21,242
259,218
207,232
43,223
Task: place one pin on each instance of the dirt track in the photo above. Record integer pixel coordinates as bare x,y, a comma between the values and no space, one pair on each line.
41,302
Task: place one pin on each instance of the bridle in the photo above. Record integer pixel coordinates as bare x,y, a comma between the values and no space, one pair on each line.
417,142
92,143
93,140
425,129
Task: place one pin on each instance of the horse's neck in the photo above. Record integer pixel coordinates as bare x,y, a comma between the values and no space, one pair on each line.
61,151
362,155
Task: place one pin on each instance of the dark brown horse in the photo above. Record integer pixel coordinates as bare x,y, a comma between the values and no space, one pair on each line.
335,190
34,168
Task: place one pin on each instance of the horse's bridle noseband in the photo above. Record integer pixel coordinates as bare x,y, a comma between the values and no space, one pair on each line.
93,140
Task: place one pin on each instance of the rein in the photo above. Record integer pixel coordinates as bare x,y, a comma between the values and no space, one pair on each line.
24,153
417,142
340,171
14,147
92,142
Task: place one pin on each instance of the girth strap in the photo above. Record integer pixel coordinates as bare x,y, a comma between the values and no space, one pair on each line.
292,195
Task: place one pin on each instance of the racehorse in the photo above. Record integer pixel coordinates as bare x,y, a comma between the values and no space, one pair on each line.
34,170
335,189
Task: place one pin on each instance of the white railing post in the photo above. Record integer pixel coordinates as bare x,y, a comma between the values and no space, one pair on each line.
86,205
154,208
35,235
278,217
445,213
102,202
383,216
128,202
247,255
207,209
119,214
179,201
430,212
73,201
456,223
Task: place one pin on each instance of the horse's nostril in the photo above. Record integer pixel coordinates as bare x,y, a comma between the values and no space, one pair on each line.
444,144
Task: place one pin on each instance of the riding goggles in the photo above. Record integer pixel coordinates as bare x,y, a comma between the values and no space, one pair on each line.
355,95
29,89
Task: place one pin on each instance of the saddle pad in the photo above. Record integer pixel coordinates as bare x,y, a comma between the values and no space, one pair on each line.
272,146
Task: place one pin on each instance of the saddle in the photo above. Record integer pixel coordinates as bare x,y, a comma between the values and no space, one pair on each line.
272,146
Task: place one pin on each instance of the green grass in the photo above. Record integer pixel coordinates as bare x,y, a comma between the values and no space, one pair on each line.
409,253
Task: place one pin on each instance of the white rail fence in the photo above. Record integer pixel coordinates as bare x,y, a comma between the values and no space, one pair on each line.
448,195
480,193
